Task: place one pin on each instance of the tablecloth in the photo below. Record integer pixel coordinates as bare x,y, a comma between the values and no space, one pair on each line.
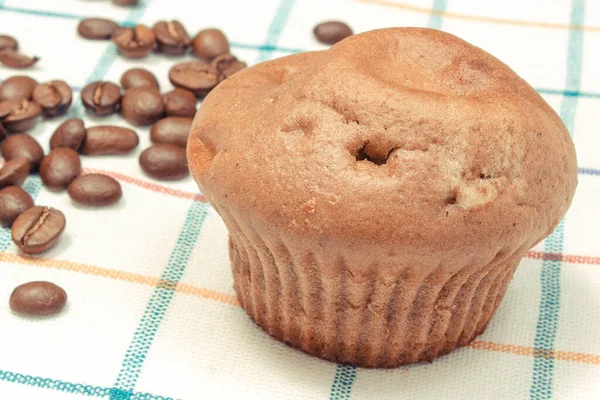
152,312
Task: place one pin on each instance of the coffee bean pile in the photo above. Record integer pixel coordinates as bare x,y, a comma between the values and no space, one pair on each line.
24,101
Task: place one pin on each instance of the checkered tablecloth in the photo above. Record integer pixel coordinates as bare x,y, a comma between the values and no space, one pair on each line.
152,312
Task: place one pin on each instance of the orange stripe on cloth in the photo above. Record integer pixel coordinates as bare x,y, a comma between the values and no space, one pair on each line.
582,358
118,275
480,18
569,258
147,185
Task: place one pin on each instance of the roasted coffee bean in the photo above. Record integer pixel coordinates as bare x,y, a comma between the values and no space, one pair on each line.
171,37
101,98
95,190
108,139
13,201
38,299
137,77
134,42
70,133
13,59
17,87
60,167
179,103
19,115
54,97
37,229
172,130
125,2
14,172
210,43
164,161
198,77
331,32
142,106
22,145
96,28
227,65
8,42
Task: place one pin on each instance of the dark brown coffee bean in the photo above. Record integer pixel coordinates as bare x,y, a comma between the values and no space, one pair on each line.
210,43
227,65
14,172
70,133
134,42
38,299
95,190
164,161
198,77
125,2
331,32
109,139
13,59
19,115
96,28
54,97
142,106
179,103
172,130
13,201
37,229
17,87
22,145
171,37
101,98
8,42
138,77
60,167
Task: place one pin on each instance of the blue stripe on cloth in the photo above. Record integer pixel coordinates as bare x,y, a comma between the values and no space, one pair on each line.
276,29
342,384
547,325
32,185
70,387
589,171
435,19
568,93
159,302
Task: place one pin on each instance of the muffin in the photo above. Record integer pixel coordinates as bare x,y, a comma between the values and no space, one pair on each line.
379,195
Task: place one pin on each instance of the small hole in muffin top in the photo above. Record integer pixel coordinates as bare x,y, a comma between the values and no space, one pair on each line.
363,154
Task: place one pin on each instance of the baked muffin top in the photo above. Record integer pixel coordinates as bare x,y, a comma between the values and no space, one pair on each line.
403,137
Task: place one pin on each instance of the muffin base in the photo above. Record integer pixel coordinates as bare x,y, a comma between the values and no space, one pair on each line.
374,320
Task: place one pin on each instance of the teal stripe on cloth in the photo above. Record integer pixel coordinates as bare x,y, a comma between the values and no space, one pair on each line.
159,302
32,185
435,19
276,29
341,389
548,317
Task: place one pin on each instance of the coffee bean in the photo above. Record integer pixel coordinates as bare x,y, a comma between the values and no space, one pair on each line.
172,130
331,32
142,106
95,190
227,65
13,59
17,87
125,2
70,133
179,103
108,139
134,42
14,172
101,98
37,229
96,28
210,43
137,77
60,167
38,299
197,77
171,37
8,42
19,115
54,97
13,201
164,161
22,145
